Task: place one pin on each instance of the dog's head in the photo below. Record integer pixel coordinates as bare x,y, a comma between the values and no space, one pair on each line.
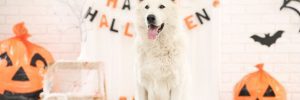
155,17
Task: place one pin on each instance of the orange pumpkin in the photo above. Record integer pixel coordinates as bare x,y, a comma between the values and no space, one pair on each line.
259,86
22,65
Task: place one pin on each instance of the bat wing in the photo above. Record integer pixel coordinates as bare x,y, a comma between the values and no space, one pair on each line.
275,37
256,38
278,34
291,4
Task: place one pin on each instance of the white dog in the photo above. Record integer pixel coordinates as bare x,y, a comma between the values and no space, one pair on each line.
160,51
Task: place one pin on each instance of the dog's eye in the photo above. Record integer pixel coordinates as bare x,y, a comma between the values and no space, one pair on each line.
147,7
161,6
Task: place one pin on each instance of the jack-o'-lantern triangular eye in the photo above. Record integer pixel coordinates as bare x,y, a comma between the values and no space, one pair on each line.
269,92
6,57
37,57
244,91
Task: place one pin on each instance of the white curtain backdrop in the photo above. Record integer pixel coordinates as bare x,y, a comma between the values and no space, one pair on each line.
116,50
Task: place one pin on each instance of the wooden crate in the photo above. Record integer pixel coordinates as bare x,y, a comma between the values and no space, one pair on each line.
74,80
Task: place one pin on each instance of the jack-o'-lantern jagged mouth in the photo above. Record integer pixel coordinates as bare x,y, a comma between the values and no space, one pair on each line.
8,95
154,30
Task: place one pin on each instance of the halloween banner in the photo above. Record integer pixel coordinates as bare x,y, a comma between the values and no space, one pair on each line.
116,24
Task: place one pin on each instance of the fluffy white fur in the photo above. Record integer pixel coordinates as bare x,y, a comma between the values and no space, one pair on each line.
160,68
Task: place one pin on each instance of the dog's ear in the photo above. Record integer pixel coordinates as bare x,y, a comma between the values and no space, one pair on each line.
141,0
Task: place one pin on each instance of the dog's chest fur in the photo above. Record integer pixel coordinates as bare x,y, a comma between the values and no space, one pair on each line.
160,63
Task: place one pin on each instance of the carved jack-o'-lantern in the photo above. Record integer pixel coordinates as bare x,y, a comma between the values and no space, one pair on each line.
259,86
22,65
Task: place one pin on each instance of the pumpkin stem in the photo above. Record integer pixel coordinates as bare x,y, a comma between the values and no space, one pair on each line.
21,31
260,66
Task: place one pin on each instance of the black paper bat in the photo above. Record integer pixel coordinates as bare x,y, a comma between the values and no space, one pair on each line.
291,4
267,40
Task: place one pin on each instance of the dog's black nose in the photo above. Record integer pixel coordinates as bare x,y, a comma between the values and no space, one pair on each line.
151,19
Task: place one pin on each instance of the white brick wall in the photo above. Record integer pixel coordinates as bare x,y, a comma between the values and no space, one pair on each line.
239,53
51,23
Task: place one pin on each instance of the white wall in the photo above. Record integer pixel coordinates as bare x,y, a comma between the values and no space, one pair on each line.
55,26
243,18
51,23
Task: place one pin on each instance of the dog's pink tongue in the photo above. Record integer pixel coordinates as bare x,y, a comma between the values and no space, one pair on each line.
152,33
